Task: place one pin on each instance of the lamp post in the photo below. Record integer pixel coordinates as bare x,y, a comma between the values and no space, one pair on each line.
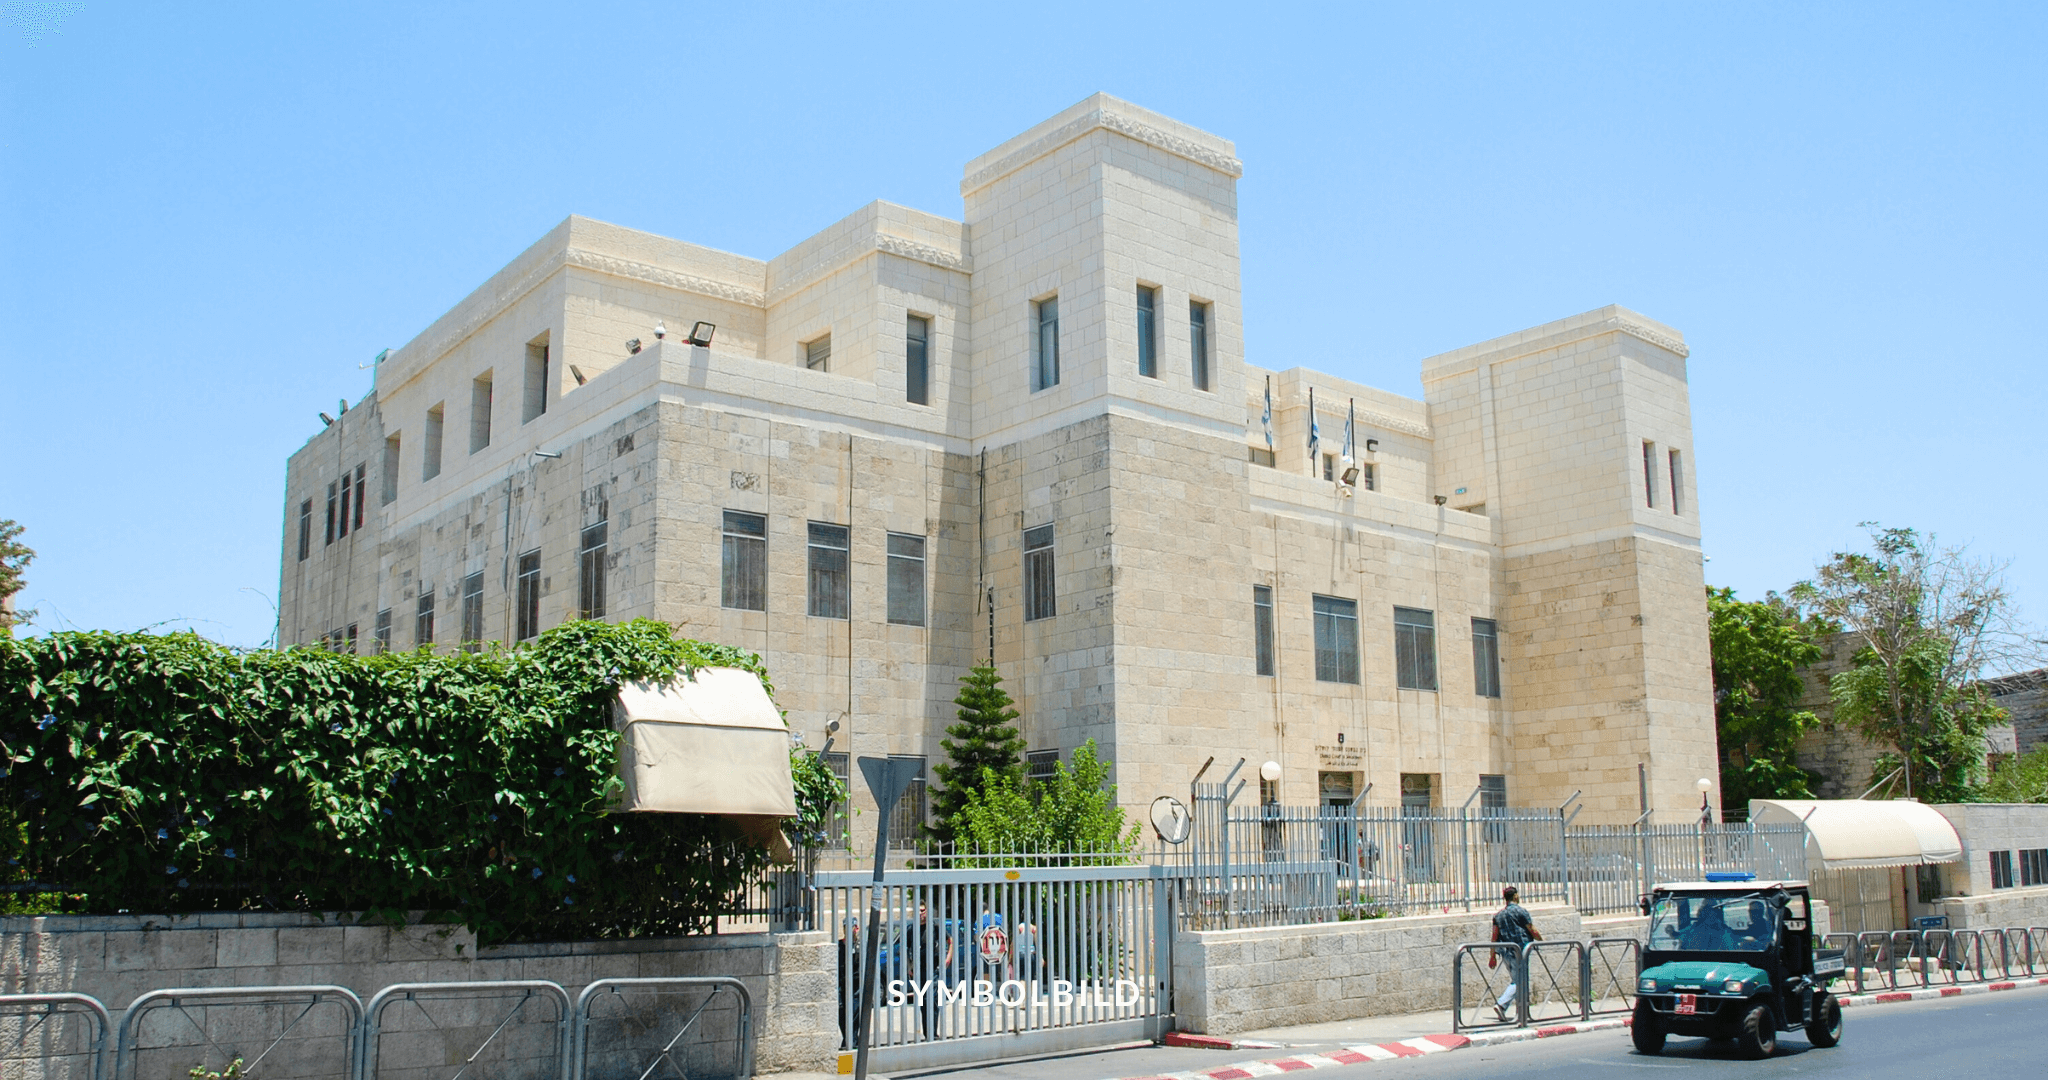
1706,812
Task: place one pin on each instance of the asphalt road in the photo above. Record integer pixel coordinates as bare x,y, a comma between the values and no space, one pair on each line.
1993,1035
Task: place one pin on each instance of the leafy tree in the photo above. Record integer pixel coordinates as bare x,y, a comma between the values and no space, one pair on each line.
820,798
14,559
1934,621
984,743
1072,812
1759,649
2023,779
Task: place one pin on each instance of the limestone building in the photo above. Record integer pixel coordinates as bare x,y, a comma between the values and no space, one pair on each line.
1035,430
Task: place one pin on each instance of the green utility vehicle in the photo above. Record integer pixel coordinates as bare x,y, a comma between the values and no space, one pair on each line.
1732,958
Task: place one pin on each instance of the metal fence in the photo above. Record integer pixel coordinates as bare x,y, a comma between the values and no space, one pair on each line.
1498,984
1909,959
66,1033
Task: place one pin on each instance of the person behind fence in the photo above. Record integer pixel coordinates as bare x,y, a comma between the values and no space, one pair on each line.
1511,924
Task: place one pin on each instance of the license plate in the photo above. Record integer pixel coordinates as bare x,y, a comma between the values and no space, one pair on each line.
1688,1004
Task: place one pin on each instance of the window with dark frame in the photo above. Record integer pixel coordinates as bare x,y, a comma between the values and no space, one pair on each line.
1330,467
1336,627
818,353
906,824
828,578
1368,476
382,632
347,494
1677,483
590,559
423,618
839,817
906,579
1649,474
2034,867
1045,366
2001,870
305,530
1198,342
1262,456
526,615
1041,765
917,360
1040,598
1493,803
1262,629
349,639
1414,649
333,494
1148,331
743,572
362,491
473,612
536,403
1486,658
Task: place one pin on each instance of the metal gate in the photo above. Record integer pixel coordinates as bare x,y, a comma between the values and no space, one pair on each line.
986,962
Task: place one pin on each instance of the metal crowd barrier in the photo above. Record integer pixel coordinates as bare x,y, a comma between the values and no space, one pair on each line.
1610,980
581,1020
1559,988
50,1005
414,993
1498,965
313,996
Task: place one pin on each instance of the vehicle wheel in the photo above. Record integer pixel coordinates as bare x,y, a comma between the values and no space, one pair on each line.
1646,1031
1826,1029
1759,1034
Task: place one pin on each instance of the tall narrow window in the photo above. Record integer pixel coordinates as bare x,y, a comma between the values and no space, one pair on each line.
536,403
828,570
1493,803
906,826
1198,342
473,612
332,489
1330,467
837,834
590,571
906,579
1677,484
743,574
383,632
348,640
527,597
430,453
423,617
305,529
1336,639
917,360
480,412
1148,331
1045,366
390,470
347,495
818,354
1485,658
1262,628
2001,870
362,491
1414,649
1040,602
1649,474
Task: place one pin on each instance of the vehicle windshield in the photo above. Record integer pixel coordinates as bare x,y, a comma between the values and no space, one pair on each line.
1712,924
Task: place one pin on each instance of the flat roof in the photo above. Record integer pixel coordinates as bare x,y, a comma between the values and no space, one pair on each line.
1731,886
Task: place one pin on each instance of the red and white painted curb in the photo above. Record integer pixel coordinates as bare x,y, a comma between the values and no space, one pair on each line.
1436,1044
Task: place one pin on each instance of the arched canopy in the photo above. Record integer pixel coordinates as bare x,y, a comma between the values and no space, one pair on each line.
1846,834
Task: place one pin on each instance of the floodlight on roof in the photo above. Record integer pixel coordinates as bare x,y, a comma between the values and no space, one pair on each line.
700,334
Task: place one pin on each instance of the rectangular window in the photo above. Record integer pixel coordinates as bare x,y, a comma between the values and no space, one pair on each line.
536,403
1198,342
1677,484
305,529
348,640
473,612
362,491
838,818
1262,456
1414,649
383,631
480,412
1262,628
1336,640
917,360
906,579
1269,791
1368,477
347,497
906,826
743,574
430,456
332,494
2034,867
1148,332
1041,765
2001,870
828,552
1650,474
1330,467
528,597
390,470
590,571
1040,602
1493,802
1485,658
1045,365
423,618
818,354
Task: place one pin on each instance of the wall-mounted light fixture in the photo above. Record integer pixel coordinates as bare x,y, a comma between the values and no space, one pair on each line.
1371,445
326,420
1440,500
633,347
1340,738
578,372
547,455
700,335
1350,473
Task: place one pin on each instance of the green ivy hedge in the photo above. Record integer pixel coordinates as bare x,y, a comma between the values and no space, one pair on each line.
165,773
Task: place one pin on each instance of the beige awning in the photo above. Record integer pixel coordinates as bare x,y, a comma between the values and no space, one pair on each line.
712,744
1845,834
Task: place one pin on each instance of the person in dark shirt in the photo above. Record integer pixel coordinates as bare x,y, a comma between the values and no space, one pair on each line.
1513,925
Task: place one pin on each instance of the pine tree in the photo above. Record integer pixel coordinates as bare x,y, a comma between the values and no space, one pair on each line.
984,739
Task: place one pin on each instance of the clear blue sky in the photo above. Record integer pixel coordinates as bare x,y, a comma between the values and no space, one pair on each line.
210,215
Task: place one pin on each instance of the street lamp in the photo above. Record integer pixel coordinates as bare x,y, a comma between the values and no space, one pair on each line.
1706,813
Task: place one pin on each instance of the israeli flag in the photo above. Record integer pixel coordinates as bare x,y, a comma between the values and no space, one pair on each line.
1315,432
1267,417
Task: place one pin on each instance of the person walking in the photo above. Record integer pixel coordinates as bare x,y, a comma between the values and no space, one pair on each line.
1512,924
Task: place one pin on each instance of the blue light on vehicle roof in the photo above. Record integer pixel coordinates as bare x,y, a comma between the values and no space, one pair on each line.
1730,875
